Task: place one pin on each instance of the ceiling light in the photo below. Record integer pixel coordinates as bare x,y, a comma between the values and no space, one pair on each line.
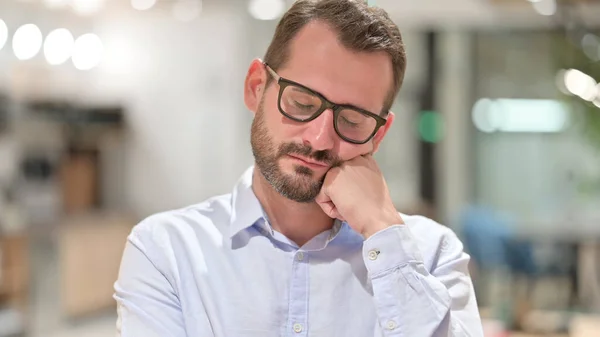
580,84
88,52
545,7
58,46
56,3
519,115
142,5
27,41
3,33
87,7
266,9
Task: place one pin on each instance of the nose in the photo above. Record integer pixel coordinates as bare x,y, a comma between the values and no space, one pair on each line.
319,133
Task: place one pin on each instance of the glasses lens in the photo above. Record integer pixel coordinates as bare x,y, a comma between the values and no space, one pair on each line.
355,125
299,103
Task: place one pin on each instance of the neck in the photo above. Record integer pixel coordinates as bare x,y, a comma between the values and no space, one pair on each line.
299,222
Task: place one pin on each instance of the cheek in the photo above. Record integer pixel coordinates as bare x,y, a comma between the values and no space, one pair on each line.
283,129
350,151
272,120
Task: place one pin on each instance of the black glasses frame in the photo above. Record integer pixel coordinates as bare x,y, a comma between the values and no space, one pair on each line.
325,104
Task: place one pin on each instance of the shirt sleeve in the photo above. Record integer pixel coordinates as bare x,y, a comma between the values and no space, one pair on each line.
414,301
147,304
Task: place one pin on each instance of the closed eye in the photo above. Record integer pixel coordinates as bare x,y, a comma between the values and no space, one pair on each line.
348,122
304,106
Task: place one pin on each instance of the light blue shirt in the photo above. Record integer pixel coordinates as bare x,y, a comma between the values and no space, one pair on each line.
219,269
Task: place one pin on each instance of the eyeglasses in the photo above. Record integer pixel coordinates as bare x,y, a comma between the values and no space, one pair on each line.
302,104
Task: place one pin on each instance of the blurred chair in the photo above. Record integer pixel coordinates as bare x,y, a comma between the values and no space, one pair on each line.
485,236
497,252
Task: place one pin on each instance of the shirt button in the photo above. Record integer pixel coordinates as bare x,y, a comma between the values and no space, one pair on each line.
300,256
373,255
391,325
297,328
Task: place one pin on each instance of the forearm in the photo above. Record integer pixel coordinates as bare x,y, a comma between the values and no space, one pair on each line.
411,300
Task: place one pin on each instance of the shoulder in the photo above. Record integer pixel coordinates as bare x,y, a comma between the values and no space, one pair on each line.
176,227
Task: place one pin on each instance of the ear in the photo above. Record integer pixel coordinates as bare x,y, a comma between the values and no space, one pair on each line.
254,86
382,131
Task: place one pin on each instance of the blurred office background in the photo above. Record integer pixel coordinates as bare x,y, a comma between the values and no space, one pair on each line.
111,110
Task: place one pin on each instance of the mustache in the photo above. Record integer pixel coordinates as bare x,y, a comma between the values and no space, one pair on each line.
323,156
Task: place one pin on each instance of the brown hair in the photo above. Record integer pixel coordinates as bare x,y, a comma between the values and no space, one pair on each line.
360,28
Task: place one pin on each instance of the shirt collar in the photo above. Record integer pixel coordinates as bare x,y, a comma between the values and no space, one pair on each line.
247,210
245,207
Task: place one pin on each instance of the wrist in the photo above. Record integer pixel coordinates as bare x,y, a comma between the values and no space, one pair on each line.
382,224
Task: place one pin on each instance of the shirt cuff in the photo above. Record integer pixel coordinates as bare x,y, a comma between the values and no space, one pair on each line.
390,248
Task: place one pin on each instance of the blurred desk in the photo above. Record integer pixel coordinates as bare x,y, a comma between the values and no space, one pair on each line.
14,283
14,270
90,249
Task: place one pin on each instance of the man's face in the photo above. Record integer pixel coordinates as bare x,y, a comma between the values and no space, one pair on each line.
294,156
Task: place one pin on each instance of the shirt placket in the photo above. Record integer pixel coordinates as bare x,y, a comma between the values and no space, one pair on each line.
298,310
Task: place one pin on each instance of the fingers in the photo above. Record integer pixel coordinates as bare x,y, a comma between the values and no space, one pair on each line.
322,197
324,200
330,209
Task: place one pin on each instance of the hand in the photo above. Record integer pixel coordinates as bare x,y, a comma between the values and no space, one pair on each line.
356,192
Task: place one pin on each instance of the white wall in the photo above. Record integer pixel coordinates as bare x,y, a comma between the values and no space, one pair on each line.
184,110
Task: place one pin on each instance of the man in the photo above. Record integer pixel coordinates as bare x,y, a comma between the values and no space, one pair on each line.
309,242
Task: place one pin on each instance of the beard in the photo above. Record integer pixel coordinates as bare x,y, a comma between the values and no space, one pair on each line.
301,185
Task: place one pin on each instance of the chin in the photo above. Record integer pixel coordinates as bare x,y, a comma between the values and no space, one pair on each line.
297,182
